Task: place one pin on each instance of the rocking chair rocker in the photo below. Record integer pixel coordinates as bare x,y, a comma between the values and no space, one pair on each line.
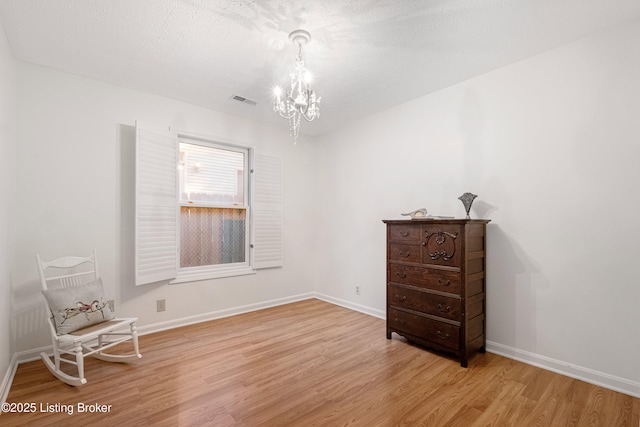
81,322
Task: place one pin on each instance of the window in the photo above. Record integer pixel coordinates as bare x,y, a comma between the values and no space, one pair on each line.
204,209
214,206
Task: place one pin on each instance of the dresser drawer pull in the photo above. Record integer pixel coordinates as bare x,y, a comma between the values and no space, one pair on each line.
404,233
444,336
405,254
401,298
400,322
444,283
401,274
444,309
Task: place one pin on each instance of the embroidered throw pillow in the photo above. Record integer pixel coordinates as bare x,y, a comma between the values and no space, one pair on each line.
77,307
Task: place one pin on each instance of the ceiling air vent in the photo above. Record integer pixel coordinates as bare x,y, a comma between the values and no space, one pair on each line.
243,100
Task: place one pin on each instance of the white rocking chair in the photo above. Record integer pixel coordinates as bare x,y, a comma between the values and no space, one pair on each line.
89,341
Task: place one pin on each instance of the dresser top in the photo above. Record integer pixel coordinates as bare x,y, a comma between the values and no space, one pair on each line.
436,220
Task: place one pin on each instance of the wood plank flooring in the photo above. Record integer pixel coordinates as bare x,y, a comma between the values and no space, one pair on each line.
311,363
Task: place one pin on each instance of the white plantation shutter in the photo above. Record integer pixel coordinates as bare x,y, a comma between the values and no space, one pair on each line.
267,211
156,252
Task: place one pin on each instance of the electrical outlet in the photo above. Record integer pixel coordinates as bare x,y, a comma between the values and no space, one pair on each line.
357,289
112,305
160,305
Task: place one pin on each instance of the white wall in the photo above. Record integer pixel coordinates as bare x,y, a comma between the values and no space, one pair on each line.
75,181
7,194
551,145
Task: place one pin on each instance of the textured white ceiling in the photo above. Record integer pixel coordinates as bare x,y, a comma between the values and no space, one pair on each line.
366,55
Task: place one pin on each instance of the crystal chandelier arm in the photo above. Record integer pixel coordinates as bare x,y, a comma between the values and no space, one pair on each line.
284,107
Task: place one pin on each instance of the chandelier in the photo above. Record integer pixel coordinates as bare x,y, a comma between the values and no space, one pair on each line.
299,101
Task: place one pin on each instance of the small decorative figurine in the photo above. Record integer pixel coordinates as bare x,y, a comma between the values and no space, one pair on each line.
467,201
418,213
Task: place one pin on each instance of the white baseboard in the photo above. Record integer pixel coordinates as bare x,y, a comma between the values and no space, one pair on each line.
8,379
219,314
591,376
351,305
31,355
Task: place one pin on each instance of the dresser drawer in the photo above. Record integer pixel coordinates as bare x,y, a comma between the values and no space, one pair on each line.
440,333
404,233
441,245
406,253
422,277
424,302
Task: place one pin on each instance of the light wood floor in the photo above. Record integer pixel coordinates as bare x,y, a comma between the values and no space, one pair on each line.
313,363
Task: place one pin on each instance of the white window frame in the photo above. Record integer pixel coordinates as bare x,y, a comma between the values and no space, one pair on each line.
188,274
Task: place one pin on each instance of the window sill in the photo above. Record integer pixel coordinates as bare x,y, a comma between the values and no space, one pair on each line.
185,275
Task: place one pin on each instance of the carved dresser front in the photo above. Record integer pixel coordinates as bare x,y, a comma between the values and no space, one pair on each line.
436,271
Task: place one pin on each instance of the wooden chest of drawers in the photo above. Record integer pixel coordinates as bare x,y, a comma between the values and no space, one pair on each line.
436,283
